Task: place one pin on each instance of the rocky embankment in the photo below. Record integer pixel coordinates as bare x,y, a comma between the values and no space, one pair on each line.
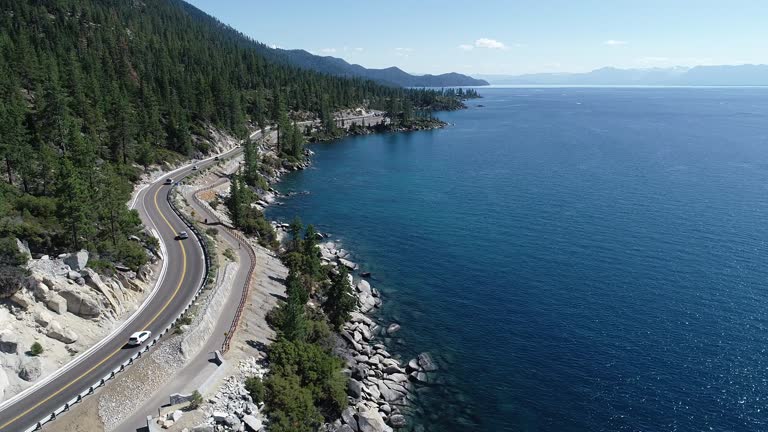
65,307
381,386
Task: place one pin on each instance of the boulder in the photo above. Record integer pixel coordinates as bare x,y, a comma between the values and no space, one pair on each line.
23,299
348,264
30,368
55,331
426,362
81,303
388,394
175,416
364,287
345,428
167,424
77,261
43,318
113,294
232,421
9,342
348,417
360,372
366,302
73,275
398,377
370,421
413,365
393,328
355,388
219,416
419,376
357,317
366,332
252,424
393,369
56,303
397,421
41,291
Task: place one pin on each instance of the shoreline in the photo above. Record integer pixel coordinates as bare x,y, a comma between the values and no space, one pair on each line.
382,387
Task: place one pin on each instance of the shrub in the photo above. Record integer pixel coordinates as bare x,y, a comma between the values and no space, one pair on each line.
213,232
196,400
11,279
255,388
230,254
36,349
10,253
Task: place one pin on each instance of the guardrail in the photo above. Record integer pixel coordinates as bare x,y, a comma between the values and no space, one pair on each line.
101,382
249,250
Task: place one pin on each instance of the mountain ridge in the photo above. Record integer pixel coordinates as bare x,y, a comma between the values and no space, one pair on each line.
391,75
727,75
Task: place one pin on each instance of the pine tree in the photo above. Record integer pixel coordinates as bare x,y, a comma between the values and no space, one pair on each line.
73,209
251,165
340,300
311,253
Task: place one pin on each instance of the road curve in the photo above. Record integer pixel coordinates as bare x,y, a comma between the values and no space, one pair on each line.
183,276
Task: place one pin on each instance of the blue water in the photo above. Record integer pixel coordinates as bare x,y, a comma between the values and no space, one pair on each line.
577,259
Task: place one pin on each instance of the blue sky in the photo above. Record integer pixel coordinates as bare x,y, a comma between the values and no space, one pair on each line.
508,37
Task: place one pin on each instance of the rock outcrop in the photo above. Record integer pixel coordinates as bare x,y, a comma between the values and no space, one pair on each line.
80,302
56,331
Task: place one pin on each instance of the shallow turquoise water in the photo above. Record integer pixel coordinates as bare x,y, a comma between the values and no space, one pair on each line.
577,259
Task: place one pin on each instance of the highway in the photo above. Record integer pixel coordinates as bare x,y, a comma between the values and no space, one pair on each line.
184,266
181,276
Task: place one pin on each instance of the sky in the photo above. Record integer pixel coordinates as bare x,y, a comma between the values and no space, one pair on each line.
508,37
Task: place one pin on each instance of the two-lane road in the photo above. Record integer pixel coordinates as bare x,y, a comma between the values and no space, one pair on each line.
180,279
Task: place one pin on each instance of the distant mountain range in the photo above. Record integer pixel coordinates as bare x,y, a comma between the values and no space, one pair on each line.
391,76
740,75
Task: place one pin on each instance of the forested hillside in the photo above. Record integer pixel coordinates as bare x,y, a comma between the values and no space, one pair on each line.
94,89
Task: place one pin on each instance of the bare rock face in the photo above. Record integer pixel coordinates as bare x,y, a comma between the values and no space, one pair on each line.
9,342
56,331
30,369
4,383
81,303
77,261
56,303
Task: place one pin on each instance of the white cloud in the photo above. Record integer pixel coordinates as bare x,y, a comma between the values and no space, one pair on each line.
489,43
614,42
404,49
358,49
328,50
484,43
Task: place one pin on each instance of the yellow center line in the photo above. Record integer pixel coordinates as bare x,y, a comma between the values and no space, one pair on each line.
165,306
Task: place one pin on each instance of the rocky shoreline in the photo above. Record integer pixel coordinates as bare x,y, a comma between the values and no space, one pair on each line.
382,387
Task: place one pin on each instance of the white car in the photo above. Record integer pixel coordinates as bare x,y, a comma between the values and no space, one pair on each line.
194,168
139,338
169,181
183,235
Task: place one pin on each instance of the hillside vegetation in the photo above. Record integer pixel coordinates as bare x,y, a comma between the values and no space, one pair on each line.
95,90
